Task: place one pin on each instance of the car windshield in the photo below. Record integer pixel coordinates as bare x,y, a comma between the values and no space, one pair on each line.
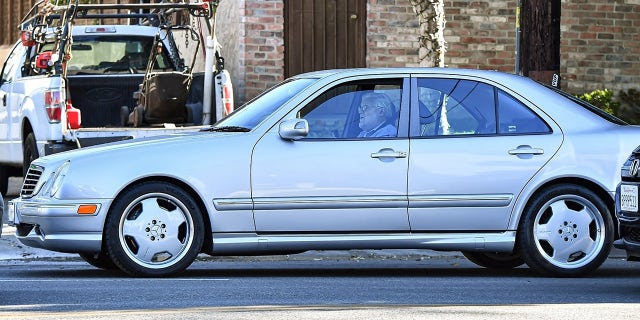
590,107
255,111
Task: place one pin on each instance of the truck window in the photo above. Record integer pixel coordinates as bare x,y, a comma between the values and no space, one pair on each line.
13,62
109,54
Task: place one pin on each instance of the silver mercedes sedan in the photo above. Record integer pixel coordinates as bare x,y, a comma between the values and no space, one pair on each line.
494,165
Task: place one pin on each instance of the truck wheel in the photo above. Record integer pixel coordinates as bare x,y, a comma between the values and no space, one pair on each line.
99,260
29,152
124,116
494,260
566,230
154,229
4,180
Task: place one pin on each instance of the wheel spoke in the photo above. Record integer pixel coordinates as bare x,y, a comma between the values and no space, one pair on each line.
562,253
145,249
583,218
559,213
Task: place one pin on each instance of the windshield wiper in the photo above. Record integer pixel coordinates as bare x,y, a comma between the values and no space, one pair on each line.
227,129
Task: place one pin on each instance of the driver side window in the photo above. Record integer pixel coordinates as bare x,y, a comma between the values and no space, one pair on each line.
336,114
14,61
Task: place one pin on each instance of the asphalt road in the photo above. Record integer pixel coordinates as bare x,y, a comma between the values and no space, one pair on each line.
353,288
316,285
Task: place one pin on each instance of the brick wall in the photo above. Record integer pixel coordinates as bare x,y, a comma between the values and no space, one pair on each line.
262,45
481,34
392,34
600,39
600,45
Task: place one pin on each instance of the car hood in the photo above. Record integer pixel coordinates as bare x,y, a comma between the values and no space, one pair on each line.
136,147
100,172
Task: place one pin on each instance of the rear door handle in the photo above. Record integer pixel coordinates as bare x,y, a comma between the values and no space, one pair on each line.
388,153
524,150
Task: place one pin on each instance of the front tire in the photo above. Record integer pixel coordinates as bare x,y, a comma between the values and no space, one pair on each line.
565,231
29,152
154,229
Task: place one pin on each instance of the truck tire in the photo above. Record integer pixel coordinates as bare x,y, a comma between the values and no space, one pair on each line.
29,152
4,180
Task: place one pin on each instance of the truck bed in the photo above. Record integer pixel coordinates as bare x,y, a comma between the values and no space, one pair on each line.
100,98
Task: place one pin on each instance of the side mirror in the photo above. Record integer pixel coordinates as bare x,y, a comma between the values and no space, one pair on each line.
294,129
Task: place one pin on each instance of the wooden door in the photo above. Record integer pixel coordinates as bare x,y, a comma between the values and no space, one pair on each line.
324,34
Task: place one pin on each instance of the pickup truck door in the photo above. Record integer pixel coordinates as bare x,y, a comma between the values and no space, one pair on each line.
8,101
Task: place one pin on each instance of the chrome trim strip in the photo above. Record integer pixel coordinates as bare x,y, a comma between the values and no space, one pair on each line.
394,201
228,204
239,243
284,203
463,200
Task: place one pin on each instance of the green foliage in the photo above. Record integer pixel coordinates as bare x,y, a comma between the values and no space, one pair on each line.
625,105
629,106
602,99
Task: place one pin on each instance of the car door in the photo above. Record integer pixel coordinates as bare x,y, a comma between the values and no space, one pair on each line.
473,149
10,97
333,180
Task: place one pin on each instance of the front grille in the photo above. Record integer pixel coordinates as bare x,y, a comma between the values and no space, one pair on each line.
31,181
630,233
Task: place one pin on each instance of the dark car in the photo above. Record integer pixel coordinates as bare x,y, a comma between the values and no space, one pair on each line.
627,207
1,212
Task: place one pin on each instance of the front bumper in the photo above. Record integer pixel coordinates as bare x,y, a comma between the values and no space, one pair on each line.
56,224
628,227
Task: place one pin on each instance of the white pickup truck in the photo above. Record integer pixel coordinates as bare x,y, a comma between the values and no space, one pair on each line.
66,86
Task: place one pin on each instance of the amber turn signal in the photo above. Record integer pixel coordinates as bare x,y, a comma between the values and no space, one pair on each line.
87,209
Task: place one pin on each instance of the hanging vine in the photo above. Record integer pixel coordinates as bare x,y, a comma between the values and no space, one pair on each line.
432,21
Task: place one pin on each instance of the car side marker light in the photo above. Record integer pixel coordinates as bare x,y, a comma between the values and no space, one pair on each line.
87,209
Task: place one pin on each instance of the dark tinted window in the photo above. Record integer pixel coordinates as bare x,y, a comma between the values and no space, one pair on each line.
455,107
346,110
517,118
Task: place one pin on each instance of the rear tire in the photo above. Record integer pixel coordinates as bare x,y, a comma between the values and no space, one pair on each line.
565,231
29,152
494,260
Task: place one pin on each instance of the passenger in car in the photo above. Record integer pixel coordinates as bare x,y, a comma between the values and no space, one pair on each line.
377,116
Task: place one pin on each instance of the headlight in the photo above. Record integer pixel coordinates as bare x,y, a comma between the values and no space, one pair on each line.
57,178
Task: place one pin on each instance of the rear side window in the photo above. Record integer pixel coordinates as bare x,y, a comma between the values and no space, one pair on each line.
454,107
516,118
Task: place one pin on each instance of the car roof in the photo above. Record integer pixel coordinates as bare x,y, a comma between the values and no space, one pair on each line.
492,75
115,30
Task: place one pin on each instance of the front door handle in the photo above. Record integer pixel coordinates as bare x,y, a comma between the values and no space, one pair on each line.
524,150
